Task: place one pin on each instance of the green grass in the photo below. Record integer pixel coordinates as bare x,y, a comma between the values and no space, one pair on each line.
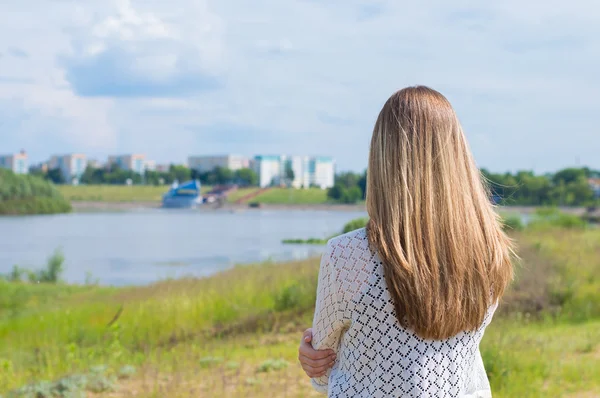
240,193
148,193
115,193
236,333
309,196
22,194
34,205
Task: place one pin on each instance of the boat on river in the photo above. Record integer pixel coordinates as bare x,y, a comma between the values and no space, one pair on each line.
184,196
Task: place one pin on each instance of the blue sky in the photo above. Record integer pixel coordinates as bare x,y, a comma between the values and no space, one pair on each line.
171,79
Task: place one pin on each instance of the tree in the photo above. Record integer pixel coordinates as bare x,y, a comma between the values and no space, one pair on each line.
180,173
336,192
56,176
362,184
348,179
223,175
569,175
352,195
246,177
289,172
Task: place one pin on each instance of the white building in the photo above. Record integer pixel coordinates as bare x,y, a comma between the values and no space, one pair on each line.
71,166
269,169
150,165
16,162
133,162
322,172
203,164
307,171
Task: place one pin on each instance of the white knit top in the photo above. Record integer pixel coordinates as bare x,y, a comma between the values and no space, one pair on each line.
376,356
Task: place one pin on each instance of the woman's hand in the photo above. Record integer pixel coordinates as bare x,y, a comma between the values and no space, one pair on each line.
315,363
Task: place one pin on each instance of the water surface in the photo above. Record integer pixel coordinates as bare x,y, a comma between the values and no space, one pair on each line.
140,247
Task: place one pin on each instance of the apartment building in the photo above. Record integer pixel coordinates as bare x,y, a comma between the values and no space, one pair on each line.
150,165
17,162
305,171
133,162
203,164
322,172
72,166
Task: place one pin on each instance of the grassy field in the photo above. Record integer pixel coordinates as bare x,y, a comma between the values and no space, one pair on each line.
240,193
307,196
143,193
236,333
115,193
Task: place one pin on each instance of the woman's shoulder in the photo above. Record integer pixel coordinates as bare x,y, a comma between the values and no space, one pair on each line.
350,247
356,238
352,260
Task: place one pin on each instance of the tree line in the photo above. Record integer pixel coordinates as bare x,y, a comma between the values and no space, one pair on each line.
567,187
114,175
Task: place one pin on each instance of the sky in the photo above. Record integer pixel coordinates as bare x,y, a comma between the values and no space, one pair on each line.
300,77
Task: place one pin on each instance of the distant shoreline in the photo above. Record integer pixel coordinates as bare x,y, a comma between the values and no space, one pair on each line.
93,206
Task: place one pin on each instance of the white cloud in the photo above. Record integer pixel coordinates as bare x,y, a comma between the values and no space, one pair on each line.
305,75
133,52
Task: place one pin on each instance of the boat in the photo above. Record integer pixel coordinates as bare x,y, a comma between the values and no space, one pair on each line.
184,196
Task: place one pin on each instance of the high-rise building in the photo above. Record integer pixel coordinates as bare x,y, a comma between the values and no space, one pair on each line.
72,166
17,162
269,170
134,162
297,171
203,164
322,172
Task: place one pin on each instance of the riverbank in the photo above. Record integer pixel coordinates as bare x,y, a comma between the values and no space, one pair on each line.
87,206
236,333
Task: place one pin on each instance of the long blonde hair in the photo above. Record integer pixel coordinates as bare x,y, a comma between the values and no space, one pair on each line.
446,258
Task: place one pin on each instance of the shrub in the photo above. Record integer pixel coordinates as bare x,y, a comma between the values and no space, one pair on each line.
554,218
355,224
54,268
294,296
25,194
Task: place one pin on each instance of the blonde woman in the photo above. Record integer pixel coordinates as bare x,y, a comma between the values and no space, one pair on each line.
402,305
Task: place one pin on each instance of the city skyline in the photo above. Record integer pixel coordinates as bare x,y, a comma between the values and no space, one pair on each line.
126,76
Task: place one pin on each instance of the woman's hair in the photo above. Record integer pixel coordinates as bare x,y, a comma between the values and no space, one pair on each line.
446,258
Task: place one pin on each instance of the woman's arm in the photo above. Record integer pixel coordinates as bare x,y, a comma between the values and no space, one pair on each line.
328,324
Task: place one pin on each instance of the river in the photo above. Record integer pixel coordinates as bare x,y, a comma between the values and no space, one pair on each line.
140,247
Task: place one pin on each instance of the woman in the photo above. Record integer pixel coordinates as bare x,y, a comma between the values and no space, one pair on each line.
403,304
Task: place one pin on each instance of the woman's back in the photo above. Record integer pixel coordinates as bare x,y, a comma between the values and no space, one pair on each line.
405,301
377,355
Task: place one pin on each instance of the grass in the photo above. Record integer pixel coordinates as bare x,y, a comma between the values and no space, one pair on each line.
308,196
240,193
115,193
34,205
148,193
236,333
